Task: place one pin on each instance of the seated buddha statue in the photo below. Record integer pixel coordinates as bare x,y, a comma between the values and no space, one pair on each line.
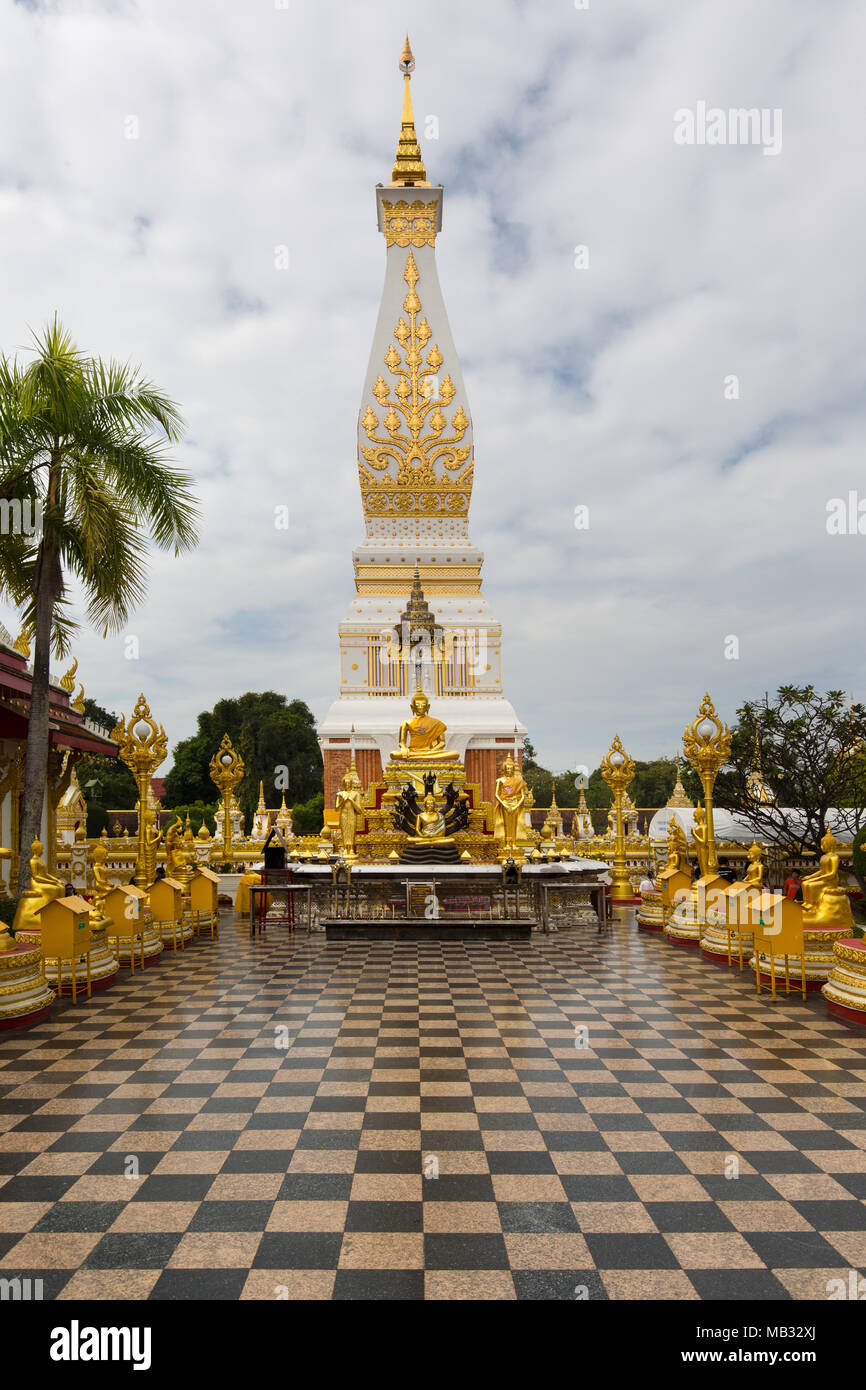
755,872
825,902
421,739
44,889
430,823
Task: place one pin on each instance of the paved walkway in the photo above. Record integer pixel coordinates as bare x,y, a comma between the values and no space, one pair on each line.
287,1119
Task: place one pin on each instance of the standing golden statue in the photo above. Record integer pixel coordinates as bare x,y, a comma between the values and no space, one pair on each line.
509,798
176,859
825,902
349,805
422,738
102,884
699,835
44,888
152,837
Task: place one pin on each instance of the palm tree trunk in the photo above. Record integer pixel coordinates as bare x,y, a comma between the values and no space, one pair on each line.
36,764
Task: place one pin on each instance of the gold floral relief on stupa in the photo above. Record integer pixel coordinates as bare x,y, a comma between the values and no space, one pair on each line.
409,224
414,430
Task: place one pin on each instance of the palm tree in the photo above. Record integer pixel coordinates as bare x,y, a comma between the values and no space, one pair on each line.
77,438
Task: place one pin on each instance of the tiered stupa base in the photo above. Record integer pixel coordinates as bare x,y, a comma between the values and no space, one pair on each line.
182,932
152,945
714,944
25,997
820,959
684,925
650,915
845,990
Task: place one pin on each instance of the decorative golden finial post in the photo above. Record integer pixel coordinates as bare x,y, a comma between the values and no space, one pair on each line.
142,745
707,745
408,168
226,771
617,769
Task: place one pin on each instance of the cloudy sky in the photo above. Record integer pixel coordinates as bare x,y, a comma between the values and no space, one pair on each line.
154,155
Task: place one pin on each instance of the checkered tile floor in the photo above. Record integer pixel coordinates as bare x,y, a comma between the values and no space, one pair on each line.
429,1129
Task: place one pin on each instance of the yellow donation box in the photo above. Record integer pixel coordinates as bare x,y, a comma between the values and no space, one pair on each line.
204,898
66,935
779,932
123,906
166,903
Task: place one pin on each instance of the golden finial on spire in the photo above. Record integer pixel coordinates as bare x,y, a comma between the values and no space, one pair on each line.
408,166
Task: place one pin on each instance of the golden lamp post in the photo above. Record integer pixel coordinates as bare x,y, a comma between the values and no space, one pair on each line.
617,769
707,745
142,745
226,771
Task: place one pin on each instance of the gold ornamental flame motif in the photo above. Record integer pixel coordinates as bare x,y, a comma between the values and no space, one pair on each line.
707,741
416,434
142,743
67,681
226,767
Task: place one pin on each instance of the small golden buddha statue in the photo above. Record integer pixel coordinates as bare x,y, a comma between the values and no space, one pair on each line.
676,862
102,884
430,823
176,862
349,804
421,739
825,902
699,835
755,872
509,798
44,888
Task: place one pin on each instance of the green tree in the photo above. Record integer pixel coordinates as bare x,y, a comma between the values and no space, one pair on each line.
198,812
809,750
78,440
307,816
276,739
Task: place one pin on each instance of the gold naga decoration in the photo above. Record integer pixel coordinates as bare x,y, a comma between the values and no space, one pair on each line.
78,702
22,642
67,681
413,408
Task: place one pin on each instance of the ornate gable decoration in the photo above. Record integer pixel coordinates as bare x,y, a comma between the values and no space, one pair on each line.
409,224
416,436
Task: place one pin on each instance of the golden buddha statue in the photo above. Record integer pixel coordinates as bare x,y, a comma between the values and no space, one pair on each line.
176,861
152,837
677,853
421,739
699,835
102,884
430,823
825,902
509,798
755,872
349,805
44,888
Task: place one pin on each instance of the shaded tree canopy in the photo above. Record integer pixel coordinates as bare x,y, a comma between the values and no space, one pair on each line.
811,752
276,739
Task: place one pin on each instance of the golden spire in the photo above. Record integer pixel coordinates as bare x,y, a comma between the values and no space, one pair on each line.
408,168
